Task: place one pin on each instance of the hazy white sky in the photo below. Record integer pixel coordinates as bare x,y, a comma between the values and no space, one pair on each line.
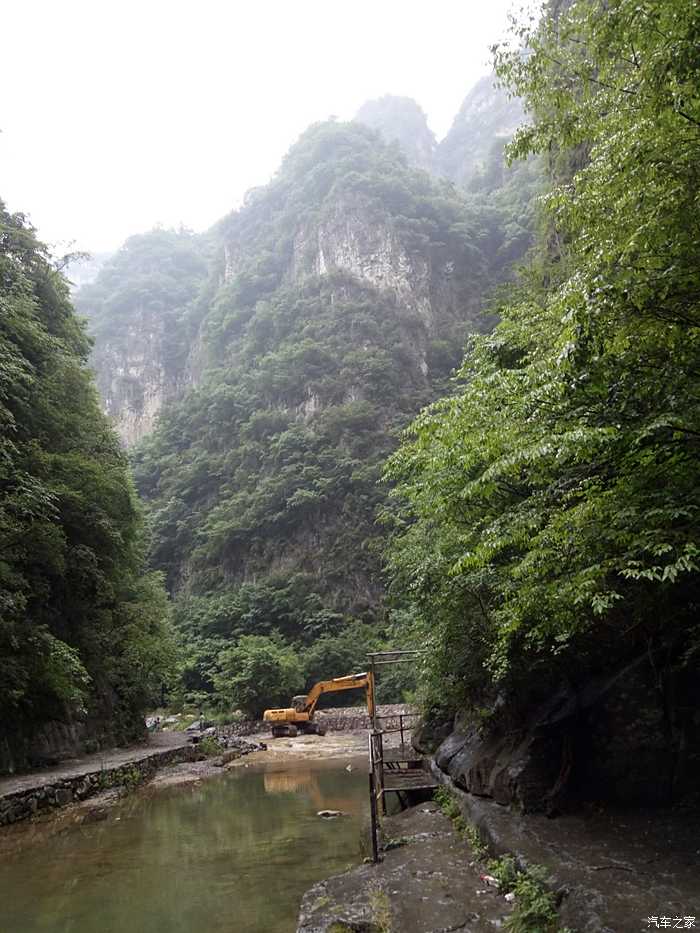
116,115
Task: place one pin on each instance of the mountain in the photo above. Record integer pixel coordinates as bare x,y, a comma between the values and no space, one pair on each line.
267,370
472,155
471,151
138,310
486,120
346,290
145,304
401,120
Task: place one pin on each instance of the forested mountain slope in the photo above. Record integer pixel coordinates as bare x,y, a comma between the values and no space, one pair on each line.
141,312
146,304
284,352
84,643
348,287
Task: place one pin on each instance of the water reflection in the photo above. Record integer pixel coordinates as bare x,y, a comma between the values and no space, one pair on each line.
307,783
232,855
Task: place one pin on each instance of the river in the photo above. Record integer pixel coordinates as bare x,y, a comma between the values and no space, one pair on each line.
233,854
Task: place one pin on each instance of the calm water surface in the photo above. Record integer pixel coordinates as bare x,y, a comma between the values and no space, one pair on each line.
231,855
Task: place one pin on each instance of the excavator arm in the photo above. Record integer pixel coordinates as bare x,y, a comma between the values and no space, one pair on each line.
351,682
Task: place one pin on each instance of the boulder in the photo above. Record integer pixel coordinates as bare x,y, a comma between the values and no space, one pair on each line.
64,795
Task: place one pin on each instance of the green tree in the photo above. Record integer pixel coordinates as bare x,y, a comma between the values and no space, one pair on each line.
338,653
258,673
551,506
82,631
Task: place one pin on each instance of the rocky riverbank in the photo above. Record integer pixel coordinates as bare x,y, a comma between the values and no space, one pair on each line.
598,870
173,757
429,879
610,868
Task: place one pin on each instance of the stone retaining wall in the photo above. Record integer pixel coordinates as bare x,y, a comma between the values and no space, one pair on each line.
25,803
340,719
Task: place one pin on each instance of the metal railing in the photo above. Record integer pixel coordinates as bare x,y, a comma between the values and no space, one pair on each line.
377,794
374,793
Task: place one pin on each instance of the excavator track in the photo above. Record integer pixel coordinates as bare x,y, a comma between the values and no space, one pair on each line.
311,728
284,730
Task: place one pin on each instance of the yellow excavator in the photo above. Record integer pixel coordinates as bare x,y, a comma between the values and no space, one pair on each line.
300,716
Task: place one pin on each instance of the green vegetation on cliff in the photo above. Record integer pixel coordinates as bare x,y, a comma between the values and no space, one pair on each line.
143,314
550,508
83,630
349,287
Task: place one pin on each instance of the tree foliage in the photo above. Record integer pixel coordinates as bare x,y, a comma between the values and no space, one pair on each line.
550,517
81,626
256,673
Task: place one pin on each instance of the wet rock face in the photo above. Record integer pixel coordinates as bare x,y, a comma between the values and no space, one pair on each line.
49,743
616,740
430,732
25,745
521,768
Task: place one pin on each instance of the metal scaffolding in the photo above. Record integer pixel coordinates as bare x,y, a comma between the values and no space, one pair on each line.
397,769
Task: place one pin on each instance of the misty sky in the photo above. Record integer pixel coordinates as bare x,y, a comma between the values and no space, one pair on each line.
118,115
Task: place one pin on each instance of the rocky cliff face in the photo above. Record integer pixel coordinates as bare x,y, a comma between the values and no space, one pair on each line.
138,310
487,119
151,344
132,378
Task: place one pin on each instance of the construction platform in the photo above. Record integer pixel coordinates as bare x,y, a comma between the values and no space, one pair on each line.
408,779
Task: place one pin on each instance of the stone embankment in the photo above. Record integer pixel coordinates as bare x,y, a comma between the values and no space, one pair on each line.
22,796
